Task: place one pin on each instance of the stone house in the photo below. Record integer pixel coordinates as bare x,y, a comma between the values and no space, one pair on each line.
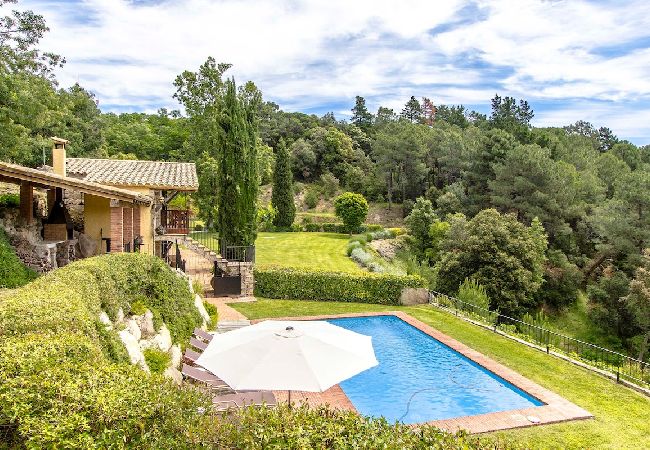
119,205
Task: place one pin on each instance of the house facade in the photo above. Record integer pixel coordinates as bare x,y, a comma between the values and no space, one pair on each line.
123,204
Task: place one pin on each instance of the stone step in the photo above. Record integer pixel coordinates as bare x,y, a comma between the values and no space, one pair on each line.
229,325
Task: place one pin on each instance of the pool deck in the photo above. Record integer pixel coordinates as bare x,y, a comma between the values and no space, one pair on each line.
555,409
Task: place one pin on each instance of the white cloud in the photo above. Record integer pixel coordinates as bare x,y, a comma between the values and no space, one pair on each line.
306,53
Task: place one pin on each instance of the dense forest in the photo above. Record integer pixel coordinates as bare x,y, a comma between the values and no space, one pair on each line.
584,193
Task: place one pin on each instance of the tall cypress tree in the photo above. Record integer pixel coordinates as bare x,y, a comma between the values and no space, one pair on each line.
238,188
282,197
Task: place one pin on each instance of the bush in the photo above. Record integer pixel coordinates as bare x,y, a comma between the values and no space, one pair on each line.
360,256
312,197
473,293
157,360
322,428
296,228
351,246
352,209
407,207
313,227
60,386
332,286
213,313
198,227
329,185
334,228
13,273
9,200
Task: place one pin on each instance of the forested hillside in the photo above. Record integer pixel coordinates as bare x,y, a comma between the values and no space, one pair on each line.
587,189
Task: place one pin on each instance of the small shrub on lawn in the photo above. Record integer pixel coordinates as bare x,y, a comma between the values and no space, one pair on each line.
157,360
302,284
360,256
352,209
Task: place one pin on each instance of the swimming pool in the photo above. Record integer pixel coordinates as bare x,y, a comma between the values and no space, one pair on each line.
419,379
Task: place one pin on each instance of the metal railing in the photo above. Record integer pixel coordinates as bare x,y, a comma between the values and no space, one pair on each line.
238,253
618,365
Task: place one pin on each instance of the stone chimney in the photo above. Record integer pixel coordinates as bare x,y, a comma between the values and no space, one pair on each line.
58,155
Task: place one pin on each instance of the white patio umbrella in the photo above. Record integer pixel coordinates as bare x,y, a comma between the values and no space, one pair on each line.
307,356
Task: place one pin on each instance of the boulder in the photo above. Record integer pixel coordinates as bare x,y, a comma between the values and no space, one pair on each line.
119,317
173,374
414,296
198,302
133,328
176,356
87,246
189,284
161,341
145,322
132,347
104,319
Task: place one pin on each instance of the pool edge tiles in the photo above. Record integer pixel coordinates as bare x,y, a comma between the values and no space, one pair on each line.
554,409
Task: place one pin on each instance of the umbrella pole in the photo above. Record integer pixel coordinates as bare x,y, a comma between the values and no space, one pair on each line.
289,399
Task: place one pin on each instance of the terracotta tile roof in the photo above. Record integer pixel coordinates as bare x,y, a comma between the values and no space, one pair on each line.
14,173
157,174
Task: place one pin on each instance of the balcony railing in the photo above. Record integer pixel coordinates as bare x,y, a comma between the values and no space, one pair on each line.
175,221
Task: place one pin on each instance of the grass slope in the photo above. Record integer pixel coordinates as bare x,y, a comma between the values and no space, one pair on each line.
622,416
324,251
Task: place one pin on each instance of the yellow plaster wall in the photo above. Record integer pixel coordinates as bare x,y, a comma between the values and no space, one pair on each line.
97,218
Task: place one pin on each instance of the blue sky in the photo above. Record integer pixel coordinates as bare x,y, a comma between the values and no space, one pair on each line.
570,59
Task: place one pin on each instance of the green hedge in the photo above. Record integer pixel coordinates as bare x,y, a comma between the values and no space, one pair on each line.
13,273
64,379
276,282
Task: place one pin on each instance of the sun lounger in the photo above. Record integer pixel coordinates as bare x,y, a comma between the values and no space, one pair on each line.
199,344
210,380
190,356
201,334
243,399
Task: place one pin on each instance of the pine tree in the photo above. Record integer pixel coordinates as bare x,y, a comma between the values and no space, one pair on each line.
282,198
238,182
361,117
412,110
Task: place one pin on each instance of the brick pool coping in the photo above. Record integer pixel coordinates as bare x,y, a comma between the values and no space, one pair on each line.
555,409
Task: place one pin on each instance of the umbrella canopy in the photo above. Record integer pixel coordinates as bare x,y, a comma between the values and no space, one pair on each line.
307,356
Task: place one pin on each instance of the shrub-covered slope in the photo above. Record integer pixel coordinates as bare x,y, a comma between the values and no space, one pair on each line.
13,273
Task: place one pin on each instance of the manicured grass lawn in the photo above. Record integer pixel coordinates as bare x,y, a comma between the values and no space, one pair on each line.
622,416
305,250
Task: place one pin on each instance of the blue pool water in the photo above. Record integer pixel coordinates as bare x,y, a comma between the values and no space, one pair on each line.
419,379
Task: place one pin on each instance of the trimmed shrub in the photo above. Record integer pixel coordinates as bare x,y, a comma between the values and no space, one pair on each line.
157,360
334,228
332,286
360,256
313,227
352,209
372,227
351,246
13,273
213,313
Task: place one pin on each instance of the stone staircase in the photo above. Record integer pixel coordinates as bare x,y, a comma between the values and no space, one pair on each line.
202,250
229,325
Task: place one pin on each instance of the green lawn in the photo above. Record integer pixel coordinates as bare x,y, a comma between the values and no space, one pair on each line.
622,416
305,250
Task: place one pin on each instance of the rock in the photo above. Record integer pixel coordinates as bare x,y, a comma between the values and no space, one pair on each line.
414,296
132,347
119,317
104,319
145,322
87,246
176,355
133,328
162,340
173,374
198,302
143,365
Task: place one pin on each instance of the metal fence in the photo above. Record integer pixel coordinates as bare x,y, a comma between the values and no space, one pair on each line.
617,364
